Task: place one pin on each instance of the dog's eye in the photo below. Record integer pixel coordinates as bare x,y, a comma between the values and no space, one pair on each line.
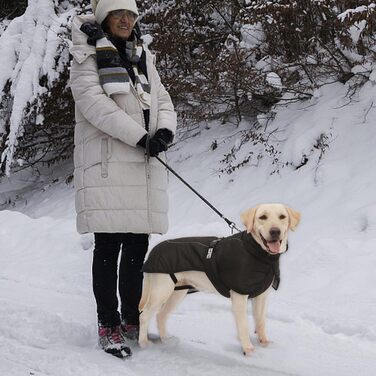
263,217
282,216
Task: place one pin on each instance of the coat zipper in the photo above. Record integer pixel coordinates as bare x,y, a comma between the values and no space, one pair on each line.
147,168
104,157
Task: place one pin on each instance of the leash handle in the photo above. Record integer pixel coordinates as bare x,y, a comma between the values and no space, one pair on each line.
230,224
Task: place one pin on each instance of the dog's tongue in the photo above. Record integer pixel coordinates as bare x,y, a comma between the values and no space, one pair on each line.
274,247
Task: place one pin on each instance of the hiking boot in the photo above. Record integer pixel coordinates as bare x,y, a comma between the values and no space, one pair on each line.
130,331
112,342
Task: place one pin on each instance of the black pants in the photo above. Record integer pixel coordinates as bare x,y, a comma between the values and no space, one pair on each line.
133,248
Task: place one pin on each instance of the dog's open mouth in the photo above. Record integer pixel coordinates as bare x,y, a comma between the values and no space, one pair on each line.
273,246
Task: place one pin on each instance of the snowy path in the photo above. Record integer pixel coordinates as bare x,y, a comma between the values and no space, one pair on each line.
45,332
37,340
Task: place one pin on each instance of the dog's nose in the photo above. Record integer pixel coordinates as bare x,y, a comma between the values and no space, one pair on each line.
275,233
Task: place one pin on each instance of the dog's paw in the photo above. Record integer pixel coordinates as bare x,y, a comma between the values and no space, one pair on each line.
264,342
247,351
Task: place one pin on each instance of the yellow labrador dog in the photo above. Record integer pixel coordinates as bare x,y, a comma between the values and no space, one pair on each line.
240,267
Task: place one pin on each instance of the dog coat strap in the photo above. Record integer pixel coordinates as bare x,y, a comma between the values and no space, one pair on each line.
184,287
211,248
174,279
277,276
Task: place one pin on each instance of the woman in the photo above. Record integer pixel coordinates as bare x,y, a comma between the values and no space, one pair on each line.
124,118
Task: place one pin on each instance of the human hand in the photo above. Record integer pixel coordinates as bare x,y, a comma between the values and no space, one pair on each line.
158,143
153,146
165,135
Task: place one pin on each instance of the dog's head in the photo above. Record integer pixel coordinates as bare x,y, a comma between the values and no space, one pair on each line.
269,225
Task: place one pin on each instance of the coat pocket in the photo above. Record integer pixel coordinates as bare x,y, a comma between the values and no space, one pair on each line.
104,156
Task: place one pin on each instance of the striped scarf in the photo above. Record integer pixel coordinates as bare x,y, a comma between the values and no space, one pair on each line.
114,78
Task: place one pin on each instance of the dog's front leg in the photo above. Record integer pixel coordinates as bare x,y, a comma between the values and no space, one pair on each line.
259,315
239,308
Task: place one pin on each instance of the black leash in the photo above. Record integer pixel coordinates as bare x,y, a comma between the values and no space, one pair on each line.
231,224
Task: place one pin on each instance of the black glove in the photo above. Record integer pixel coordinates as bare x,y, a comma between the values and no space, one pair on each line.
93,31
164,135
158,143
153,146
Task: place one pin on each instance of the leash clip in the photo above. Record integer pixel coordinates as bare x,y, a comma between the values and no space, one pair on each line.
233,227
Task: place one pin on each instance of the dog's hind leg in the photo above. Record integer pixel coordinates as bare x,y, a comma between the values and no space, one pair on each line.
145,292
173,301
160,289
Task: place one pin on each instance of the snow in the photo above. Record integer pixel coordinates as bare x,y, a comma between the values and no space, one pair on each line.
322,320
360,9
30,50
252,36
274,80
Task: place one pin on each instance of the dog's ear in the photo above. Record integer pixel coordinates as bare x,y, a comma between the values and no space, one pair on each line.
248,218
294,218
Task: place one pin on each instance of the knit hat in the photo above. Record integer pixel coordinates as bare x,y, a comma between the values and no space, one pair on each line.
101,8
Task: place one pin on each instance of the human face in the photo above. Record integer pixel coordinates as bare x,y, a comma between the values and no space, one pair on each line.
121,22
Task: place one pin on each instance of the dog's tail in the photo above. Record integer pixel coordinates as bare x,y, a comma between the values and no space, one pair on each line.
145,292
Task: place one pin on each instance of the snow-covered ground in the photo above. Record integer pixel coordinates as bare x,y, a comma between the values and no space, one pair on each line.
322,320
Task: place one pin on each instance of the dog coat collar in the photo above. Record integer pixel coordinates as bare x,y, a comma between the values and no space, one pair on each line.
239,263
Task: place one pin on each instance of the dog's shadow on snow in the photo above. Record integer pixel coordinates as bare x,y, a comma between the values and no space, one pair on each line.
176,356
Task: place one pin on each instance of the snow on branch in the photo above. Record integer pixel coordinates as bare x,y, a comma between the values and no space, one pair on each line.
32,59
371,8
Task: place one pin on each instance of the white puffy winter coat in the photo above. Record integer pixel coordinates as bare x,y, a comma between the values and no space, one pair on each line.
117,189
